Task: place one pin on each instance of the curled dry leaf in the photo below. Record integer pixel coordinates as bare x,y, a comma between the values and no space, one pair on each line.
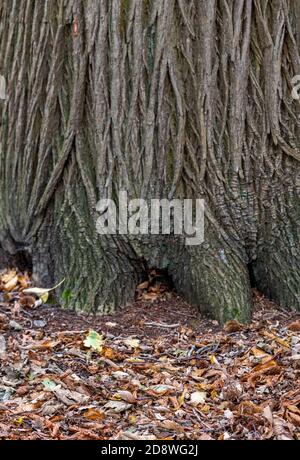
143,285
248,408
281,429
294,326
233,326
27,301
171,425
120,375
11,284
258,353
42,292
24,280
232,391
69,397
94,414
294,418
126,396
7,276
160,390
116,406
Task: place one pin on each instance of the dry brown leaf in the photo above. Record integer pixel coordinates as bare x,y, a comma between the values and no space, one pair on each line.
126,396
171,425
143,285
293,408
116,406
232,391
294,326
44,345
69,397
248,408
8,276
294,418
233,326
94,414
258,353
149,296
160,390
281,429
27,301
24,281
282,342
205,437
265,366
11,284
108,353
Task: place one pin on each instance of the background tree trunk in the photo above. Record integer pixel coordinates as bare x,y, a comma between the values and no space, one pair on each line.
162,98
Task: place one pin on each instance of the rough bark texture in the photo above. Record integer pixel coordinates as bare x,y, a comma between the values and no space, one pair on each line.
162,98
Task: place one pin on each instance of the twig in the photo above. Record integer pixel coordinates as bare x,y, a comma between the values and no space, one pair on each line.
153,324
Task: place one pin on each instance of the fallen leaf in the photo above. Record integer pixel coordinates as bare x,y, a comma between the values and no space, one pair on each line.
131,342
116,406
49,384
8,276
44,297
94,414
10,285
205,437
120,375
267,413
143,285
23,280
108,353
161,389
295,326
294,418
277,339
41,291
27,301
171,425
233,326
265,366
198,397
126,396
281,429
258,353
181,398
213,359
94,340
69,397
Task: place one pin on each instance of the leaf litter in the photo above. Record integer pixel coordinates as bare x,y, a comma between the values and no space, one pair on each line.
130,376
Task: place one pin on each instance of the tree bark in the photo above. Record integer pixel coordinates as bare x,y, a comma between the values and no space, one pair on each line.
162,98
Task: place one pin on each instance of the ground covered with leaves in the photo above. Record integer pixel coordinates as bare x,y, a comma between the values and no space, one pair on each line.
155,370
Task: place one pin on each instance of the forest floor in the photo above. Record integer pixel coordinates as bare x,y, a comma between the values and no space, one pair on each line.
155,370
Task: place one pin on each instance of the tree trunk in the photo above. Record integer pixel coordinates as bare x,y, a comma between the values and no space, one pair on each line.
161,98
